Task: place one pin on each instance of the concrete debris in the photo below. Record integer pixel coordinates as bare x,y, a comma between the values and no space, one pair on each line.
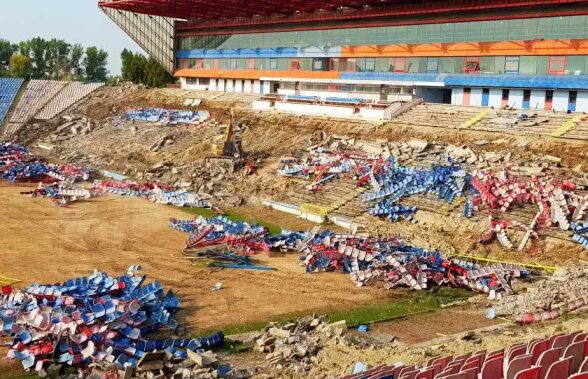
294,346
565,290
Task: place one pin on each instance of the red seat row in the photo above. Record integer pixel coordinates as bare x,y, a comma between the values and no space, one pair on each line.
562,356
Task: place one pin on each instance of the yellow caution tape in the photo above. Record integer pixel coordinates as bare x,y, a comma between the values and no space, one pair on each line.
314,209
542,267
6,281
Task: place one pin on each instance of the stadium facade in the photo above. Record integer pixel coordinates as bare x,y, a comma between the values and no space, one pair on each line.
528,54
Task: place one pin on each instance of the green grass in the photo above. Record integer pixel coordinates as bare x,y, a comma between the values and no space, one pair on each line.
413,303
205,212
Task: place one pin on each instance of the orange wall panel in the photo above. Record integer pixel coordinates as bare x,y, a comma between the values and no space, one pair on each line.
474,49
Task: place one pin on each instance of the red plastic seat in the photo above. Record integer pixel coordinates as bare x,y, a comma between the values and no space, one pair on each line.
427,373
495,353
471,373
443,361
459,375
561,341
553,338
559,369
537,349
411,374
518,364
582,375
584,366
492,368
547,358
576,352
516,352
580,337
471,365
530,373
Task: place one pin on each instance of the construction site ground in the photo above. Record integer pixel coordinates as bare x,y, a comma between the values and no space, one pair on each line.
45,244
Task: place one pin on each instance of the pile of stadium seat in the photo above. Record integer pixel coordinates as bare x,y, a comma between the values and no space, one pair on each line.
8,90
36,95
166,116
562,356
96,318
70,95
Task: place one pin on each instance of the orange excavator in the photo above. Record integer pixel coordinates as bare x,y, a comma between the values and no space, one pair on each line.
227,145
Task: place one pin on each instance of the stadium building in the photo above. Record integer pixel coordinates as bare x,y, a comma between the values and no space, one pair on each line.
523,53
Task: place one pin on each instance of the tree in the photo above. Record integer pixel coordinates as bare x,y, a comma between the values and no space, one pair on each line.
20,66
7,49
37,48
95,64
77,52
140,70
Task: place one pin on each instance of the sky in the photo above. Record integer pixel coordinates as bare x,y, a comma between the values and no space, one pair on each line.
76,21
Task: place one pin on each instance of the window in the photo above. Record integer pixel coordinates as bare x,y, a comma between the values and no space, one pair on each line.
511,65
471,65
370,64
432,64
399,64
199,63
204,81
232,64
251,64
317,64
192,81
572,97
334,64
505,93
273,64
351,65
216,64
557,65
294,64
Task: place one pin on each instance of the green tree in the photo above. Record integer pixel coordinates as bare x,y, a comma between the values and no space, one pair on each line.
20,66
95,64
140,70
7,49
37,49
77,52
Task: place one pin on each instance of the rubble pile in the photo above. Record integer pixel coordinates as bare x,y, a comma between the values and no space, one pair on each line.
71,127
166,116
219,230
372,259
557,201
160,194
565,290
97,321
294,346
18,164
58,181
366,259
393,171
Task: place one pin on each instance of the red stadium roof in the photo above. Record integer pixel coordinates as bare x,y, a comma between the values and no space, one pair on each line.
214,9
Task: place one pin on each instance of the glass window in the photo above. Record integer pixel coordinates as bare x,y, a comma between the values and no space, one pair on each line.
528,65
370,64
232,64
382,64
557,65
487,65
511,65
575,65
273,64
399,64
432,64
412,64
542,65
498,30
